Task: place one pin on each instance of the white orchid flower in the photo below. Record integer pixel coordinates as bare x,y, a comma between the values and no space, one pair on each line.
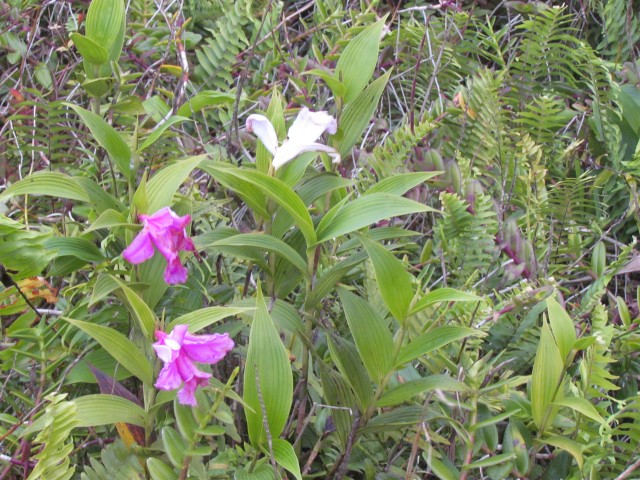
302,136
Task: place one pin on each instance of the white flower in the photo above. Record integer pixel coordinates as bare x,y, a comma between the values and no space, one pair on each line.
302,136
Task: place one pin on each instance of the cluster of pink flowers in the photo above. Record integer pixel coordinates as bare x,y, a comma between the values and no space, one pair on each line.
178,350
167,232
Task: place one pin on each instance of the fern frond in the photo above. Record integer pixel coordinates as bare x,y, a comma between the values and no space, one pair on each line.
54,461
620,30
393,155
545,57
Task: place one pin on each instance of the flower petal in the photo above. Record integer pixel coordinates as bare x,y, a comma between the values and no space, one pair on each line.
308,126
169,378
186,395
141,248
263,129
175,272
288,151
207,348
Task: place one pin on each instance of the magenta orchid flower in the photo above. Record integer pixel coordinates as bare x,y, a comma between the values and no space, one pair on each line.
166,231
302,135
178,350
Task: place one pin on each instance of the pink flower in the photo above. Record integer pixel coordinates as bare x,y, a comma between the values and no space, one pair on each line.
166,231
178,350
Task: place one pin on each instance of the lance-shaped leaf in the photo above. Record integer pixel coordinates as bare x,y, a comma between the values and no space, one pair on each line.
393,279
164,184
119,347
286,457
272,187
363,211
358,112
90,50
562,327
431,340
95,410
370,333
443,295
267,378
108,138
358,60
545,379
53,184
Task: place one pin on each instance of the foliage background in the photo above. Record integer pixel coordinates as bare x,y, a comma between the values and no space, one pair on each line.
529,109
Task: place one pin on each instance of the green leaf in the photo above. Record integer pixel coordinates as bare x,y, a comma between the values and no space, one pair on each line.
158,470
105,25
570,446
98,198
444,471
101,360
119,347
358,112
105,284
338,394
443,295
261,472
43,75
266,242
174,446
562,327
95,410
358,60
206,316
337,87
411,388
204,99
76,247
164,184
107,137
370,333
583,406
185,419
253,197
363,211
98,87
513,441
108,219
268,371
493,419
490,461
53,184
279,191
139,309
401,183
434,339
157,133
286,457
332,276
545,378
90,50
394,282
345,356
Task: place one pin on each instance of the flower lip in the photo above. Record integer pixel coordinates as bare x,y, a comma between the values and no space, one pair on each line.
301,137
